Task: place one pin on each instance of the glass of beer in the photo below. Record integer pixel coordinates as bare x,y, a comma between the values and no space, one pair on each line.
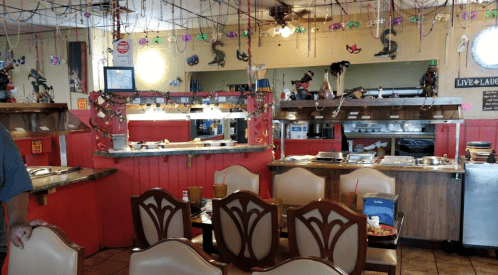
220,190
195,194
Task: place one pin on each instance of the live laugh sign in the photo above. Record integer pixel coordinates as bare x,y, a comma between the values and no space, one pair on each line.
472,82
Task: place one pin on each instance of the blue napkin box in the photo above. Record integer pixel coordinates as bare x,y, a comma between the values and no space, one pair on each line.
383,205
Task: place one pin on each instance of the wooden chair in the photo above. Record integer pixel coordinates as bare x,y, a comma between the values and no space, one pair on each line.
158,214
300,266
246,229
298,186
238,178
48,252
175,256
369,181
329,230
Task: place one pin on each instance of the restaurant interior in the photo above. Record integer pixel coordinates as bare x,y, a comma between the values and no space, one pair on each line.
254,137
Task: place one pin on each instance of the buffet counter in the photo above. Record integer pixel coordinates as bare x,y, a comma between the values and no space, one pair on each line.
182,151
430,197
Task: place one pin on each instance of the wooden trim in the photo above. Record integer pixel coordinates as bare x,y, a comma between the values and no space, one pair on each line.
311,259
222,266
324,207
80,250
241,261
159,194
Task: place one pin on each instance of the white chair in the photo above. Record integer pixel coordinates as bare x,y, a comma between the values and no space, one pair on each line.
298,186
238,178
48,252
246,229
369,181
300,266
174,256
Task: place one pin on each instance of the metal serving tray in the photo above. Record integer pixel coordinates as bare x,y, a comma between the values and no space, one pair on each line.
363,158
397,161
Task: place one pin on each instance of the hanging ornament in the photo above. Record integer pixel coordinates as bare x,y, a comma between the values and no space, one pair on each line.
231,35
216,36
245,33
193,60
414,19
396,21
202,36
442,17
472,15
300,30
157,40
101,114
335,26
142,41
87,14
491,13
371,23
186,37
353,49
55,60
353,24
172,38
100,100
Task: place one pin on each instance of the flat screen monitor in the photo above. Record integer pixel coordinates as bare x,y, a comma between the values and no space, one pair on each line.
119,79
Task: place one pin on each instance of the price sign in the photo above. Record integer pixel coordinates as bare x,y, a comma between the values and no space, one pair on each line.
36,147
82,104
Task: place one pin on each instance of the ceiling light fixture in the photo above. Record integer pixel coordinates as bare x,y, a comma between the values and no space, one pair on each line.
284,30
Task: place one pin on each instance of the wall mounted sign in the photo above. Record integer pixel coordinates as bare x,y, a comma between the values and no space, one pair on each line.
36,147
122,55
82,104
490,101
473,82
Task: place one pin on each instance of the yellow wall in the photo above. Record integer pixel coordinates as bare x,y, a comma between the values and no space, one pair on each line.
278,53
57,76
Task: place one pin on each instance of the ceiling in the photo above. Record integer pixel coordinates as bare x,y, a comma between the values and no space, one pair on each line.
33,16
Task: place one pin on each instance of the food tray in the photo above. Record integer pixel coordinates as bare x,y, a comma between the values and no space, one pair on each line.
360,158
397,160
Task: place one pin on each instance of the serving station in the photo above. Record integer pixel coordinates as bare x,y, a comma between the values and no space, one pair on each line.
429,188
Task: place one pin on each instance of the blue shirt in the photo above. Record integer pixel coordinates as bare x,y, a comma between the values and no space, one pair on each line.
14,177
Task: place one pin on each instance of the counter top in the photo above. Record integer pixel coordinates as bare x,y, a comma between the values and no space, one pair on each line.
183,151
353,166
49,182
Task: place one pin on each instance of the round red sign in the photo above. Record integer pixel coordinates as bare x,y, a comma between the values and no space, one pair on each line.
123,47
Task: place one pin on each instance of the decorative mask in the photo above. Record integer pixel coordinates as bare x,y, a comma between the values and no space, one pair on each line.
142,41
396,21
202,36
300,30
231,35
353,49
186,37
157,40
443,17
87,14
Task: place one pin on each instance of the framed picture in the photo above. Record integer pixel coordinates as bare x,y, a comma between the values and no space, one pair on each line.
119,79
77,67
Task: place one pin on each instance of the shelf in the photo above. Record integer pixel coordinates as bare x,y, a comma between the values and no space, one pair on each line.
415,135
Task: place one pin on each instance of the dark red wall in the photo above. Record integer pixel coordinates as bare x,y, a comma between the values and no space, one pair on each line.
470,130
138,174
174,131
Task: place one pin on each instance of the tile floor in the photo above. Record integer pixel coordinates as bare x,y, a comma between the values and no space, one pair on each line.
412,260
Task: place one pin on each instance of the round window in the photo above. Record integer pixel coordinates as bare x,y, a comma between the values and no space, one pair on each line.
484,48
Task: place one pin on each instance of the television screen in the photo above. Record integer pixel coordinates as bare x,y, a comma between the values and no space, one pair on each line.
119,79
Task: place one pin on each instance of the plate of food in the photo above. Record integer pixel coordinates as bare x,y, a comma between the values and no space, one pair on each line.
383,231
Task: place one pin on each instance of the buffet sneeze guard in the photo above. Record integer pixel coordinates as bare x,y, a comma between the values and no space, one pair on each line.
377,118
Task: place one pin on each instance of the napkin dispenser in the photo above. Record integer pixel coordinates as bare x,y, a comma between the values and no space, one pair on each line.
383,205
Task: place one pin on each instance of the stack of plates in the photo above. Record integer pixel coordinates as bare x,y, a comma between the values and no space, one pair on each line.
478,150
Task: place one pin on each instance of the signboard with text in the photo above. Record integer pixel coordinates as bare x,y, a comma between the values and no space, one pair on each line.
473,82
122,55
490,101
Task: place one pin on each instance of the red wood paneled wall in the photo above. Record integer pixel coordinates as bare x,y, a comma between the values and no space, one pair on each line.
174,131
79,146
470,130
138,174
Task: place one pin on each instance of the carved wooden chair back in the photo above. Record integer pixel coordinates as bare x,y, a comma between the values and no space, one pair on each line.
298,186
301,265
328,230
369,181
175,256
48,251
238,178
158,214
246,229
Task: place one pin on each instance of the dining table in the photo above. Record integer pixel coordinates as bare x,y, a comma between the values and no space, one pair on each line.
202,220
